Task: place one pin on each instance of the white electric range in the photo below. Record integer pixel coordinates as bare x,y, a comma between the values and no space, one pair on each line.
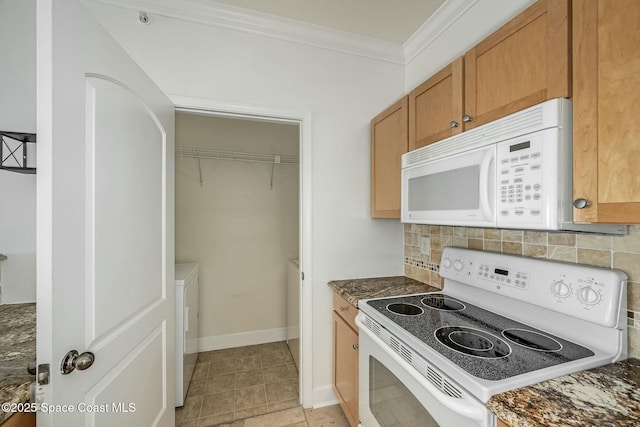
501,322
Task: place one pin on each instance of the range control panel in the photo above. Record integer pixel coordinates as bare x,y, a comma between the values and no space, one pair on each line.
586,292
518,279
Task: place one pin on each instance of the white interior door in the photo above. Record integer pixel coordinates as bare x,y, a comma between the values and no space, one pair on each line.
105,227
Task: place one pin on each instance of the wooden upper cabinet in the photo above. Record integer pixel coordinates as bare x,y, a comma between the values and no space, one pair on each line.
606,110
388,143
525,62
435,107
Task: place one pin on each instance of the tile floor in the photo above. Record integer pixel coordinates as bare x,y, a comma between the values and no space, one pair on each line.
238,386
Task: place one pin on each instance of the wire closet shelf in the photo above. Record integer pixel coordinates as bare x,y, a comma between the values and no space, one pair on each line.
205,153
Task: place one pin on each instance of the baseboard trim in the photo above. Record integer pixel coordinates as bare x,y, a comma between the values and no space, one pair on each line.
324,396
241,339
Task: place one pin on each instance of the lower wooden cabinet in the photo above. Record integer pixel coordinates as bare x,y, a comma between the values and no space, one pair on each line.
345,358
20,419
502,424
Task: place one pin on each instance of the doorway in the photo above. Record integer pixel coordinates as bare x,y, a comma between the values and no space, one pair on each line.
302,121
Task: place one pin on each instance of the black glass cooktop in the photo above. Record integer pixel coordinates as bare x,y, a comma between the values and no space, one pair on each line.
485,344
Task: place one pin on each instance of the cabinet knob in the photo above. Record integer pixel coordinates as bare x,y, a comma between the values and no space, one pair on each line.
355,346
343,309
581,203
453,124
467,118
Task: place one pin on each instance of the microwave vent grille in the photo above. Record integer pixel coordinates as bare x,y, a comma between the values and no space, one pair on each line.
518,124
421,365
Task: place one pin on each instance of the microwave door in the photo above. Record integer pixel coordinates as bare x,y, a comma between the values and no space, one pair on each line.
456,190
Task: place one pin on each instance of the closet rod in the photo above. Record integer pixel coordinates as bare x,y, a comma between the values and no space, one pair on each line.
205,153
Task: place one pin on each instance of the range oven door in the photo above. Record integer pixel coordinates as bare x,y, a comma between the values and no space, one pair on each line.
454,190
393,393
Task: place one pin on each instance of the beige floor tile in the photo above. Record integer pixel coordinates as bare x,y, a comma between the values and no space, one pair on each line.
251,412
248,397
205,356
219,403
190,410
272,346
249,350
237,423
212,400
327,416
201,370
222,367
196,387
248,363
227,353
293,371
220,383
249,378
272,359
277,419
285,404
215,420
282,390
276,373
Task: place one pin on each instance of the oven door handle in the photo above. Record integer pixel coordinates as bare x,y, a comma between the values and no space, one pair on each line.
464,406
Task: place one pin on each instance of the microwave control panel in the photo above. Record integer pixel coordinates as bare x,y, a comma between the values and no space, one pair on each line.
523,191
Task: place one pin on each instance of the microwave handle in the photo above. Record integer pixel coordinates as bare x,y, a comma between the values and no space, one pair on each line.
464,406
485,175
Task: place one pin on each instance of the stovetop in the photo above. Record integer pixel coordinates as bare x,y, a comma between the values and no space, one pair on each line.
484,344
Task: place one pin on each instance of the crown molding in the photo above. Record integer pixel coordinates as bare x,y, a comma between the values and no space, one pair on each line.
209,12
447,14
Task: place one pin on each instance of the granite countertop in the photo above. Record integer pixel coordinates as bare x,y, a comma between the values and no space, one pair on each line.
17,349
607,396
378,287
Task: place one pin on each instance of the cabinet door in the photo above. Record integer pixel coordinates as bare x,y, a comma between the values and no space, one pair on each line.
388,143
522,64
435,107
345,368
606,107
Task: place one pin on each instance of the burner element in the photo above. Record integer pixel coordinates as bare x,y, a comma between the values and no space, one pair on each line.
472,342
441,302
531,339
405,309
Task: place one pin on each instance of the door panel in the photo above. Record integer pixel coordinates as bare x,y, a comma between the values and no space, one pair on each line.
105,229
121,132
435,104
605,110
116,391
523,63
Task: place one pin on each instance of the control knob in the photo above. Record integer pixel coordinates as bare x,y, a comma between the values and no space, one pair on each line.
457,264
588,295
561,289
446,263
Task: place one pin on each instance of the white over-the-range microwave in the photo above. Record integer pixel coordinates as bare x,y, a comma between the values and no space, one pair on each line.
515,172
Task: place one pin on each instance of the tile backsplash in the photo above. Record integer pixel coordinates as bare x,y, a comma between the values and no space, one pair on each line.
620,252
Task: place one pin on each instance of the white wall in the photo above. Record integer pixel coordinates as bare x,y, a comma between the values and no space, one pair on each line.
480,20
18,114
239,229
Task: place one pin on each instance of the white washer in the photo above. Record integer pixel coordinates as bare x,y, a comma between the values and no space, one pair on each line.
186,327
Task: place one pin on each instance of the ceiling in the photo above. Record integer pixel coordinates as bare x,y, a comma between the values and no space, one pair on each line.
393,21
